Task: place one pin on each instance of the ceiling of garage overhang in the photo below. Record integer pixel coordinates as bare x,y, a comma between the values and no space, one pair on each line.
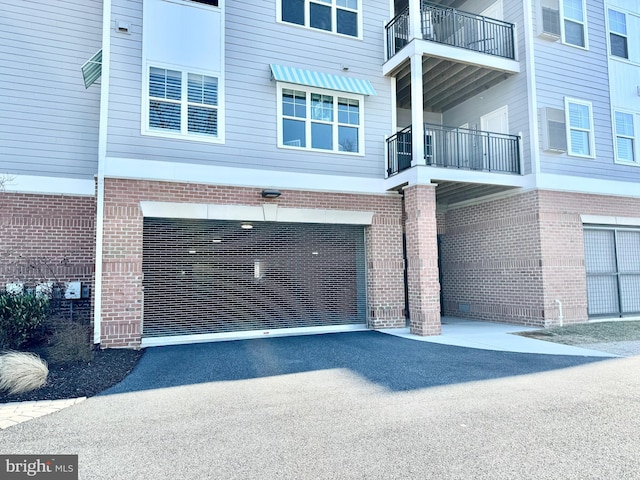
450,193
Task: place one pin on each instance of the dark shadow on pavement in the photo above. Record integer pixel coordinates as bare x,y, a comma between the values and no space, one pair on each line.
394,363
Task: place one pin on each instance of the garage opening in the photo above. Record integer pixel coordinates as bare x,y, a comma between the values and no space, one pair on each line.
612,260
204,277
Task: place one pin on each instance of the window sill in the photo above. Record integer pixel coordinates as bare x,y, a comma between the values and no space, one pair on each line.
627,163
318,30
575,155
317,150
184,137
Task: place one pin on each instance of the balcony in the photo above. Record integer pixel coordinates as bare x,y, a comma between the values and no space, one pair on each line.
460,148
453,27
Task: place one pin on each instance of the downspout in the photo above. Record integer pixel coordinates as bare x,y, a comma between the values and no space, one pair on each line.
405,274
560,316
102,155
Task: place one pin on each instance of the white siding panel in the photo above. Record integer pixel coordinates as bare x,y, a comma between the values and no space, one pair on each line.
566,71
254,40
48,121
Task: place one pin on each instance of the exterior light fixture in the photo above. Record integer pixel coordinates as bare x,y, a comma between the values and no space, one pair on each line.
246,226
270,193
217,240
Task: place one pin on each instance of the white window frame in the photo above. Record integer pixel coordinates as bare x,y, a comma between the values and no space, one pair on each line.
334,20
183,134
611,32
583,23
636,128
308,120
590,130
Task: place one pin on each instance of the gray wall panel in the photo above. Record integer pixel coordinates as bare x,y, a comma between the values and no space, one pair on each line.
48,121
253,41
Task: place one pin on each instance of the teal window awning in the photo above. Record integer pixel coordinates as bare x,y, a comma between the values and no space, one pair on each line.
92,69
321,80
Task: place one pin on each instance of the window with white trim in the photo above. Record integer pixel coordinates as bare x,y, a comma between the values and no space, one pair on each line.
618,34
322,120
182,103
337,16
574,24
579,121
625,136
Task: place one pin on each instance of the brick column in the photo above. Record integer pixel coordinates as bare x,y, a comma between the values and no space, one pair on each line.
422,258
385,269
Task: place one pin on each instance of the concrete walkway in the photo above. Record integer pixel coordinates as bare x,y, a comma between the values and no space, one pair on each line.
455,331
17,412
495,336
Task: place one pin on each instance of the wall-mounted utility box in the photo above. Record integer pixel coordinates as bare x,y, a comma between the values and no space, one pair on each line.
14,288
73,291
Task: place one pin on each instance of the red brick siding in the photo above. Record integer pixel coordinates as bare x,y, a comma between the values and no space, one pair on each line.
46,238
422,259
510,259
122,309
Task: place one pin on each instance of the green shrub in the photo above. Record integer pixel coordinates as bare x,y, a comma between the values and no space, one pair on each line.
21,316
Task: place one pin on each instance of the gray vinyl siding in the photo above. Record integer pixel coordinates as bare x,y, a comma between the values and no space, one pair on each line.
254,40
566,71
511,92
48,121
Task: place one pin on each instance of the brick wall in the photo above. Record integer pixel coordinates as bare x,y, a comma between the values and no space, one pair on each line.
46,238
422,259
510,259
491,261
122,308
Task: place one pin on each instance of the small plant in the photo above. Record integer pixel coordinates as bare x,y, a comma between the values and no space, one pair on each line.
21,315
69,343
22,372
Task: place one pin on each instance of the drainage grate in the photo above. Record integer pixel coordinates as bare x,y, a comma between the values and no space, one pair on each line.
203,277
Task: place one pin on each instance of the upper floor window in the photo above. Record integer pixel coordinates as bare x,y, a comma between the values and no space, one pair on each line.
625,137
182,103
316,119
337,16
579,120
574,22
618,34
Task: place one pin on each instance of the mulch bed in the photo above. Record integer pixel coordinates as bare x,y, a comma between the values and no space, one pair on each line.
107,368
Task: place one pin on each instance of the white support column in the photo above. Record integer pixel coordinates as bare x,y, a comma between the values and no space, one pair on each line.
417,115
415,19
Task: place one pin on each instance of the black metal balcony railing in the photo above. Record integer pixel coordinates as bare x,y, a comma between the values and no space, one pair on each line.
453,147
456,28
397,33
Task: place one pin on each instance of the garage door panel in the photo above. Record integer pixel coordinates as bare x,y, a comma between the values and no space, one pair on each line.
630,293
207,277
628,250
602,292
612,261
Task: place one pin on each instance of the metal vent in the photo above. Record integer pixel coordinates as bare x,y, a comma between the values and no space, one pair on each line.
551,22
554,133
207,277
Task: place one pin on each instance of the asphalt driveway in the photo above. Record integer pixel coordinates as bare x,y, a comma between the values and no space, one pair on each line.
353,405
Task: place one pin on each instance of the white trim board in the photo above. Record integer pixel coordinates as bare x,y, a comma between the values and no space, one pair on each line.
253,334
50,185
610,220
265,213
239,177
